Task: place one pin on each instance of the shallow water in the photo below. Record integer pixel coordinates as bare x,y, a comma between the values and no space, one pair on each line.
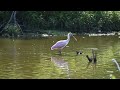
33,59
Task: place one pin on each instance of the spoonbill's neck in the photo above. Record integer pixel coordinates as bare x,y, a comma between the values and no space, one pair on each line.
68,37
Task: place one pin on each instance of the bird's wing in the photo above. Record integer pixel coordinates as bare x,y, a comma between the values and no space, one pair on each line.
59,44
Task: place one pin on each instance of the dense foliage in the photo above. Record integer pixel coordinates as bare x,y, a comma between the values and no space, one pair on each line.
74,21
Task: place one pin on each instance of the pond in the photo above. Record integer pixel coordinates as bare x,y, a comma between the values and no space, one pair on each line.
33,59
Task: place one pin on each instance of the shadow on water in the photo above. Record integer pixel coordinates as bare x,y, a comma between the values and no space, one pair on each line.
60,63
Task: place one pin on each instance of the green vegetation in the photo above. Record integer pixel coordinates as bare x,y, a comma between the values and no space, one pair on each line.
69,21
12,29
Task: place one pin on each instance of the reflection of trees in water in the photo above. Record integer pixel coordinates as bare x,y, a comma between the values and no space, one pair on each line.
59,62
93,66
14,51
14,54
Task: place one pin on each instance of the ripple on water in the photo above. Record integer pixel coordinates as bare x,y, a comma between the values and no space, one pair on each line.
32,58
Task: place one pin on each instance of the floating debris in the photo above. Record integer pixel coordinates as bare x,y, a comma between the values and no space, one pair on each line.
117,52
34,53
112,76
67,46
45,35
110,71
92,48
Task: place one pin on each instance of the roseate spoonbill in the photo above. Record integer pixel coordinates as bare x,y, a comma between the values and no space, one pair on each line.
59,45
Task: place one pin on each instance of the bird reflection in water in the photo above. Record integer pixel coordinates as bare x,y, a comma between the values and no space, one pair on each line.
59,62
92,64
92,68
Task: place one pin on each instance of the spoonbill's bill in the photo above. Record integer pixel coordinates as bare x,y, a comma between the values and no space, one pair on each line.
59,45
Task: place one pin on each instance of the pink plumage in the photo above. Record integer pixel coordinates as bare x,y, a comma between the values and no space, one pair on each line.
62,43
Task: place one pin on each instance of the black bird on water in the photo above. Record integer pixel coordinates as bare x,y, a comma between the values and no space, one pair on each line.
79,52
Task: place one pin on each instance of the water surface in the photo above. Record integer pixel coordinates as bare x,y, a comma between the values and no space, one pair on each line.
33,59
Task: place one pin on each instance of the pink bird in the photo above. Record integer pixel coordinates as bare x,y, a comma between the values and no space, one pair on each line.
59,45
